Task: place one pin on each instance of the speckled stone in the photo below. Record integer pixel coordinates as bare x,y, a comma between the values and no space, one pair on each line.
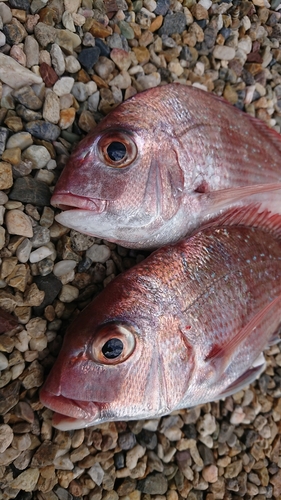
43,130
28,190
173,23
153,484
6,175
4,134
15,75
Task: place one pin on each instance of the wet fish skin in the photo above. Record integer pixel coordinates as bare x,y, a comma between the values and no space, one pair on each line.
188,153
200,312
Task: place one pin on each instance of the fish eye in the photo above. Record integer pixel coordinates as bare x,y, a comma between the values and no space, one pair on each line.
116,149
113,343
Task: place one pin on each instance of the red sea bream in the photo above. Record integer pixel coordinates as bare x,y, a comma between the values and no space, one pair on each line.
185,326
164,162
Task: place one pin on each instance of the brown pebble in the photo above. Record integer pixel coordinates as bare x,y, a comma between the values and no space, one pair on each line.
48,74
12,155
156,24
82,76
99,30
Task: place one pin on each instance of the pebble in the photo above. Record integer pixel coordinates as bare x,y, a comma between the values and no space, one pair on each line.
12,155
29,190
48,74
80,91
26,481
224,52
63,86
43,130
4,134
156,484
40,254
173,23
31,49
6,436
51,108
88,57
15,75
68,293
21,140
19,223
57,58
98,253
6,175
72,65
96,473
38,155
5,13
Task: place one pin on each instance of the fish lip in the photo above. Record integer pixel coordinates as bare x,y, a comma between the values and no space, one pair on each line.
85,411
68,201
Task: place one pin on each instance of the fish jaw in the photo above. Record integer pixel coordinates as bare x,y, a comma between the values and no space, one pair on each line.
70,414
68,201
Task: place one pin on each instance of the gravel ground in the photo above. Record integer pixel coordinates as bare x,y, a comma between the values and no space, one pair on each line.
63,65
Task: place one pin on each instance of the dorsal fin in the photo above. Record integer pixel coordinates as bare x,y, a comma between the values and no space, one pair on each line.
250,215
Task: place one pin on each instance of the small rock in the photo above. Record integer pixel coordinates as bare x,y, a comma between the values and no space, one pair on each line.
28,114
48,74
51,108
89,57
64,267
38,155
68,293
63,86
41,236
96,473
14,123
104,67
4,134
224,52
19,223
98,253
43,130
121,58
6,175
149,81
6,437
5,13
40,254
31,49
21,140
57,59
72,65
210,474
173,23
67,40
29,190
26,481
80,91
153,484
9,397
15,75
45,34
67,117
162,7
86,121
12,155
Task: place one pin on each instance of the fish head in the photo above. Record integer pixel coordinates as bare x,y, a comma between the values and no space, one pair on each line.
124,178
120,360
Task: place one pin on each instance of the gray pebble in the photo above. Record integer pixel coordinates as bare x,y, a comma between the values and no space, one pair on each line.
57,57
173,23
31,49
27,97
98,253
127,440
23,250
41,236
29,190
28,114
43,130
20,140
4,134
153,484
80,91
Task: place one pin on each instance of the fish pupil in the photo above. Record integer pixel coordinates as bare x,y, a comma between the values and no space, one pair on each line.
112,348
116,151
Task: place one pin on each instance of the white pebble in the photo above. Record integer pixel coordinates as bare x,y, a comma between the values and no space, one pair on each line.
93,101
68,293
3,198
206,3
72,65
96,473
38,344
2,39
38,155
64,267
98,253
133,456
21,344
64,85
223,52
237,416
17,370
3,361
39,254
150,5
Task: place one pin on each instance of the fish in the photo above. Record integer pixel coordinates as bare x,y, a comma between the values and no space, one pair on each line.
187,325
164,162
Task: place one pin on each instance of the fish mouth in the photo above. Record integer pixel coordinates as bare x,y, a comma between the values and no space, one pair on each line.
66,201
69,413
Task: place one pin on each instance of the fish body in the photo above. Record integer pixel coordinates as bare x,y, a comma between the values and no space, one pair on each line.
185,326
163,163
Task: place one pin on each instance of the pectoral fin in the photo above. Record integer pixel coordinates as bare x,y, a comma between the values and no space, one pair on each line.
220,357
216,200
247,378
